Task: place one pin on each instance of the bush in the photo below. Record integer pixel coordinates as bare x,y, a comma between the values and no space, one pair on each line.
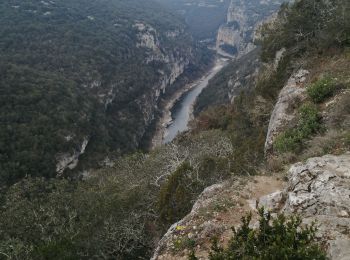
279,238
175,197
322,89
287,141
309,123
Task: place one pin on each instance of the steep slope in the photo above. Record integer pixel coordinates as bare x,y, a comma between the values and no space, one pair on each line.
238,76
236,36
82,76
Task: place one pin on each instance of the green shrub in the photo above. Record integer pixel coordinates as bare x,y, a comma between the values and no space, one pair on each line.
309,123
287,141
322,89
279,238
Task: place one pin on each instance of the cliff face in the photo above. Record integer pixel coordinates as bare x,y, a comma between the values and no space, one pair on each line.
235,38
283,113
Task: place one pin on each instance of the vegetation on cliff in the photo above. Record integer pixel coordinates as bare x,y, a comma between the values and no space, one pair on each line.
276,238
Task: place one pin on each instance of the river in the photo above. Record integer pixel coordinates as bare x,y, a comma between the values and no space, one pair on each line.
180,110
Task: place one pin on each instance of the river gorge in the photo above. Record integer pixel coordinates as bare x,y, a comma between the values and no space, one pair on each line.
179,109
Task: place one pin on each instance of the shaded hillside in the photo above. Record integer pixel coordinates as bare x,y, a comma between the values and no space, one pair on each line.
82,76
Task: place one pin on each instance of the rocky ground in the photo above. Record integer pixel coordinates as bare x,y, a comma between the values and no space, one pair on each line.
219,208
318,190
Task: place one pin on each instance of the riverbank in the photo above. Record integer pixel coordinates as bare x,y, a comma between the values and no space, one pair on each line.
169,123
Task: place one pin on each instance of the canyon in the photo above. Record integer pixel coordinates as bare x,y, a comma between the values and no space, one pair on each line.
174,129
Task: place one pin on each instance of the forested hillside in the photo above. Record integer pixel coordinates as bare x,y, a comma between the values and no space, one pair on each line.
82,76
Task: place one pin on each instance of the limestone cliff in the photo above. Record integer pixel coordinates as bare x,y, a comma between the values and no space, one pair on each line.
69,160
319,191
235,38
283,112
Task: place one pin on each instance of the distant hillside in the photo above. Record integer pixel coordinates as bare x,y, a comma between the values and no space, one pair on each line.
236,36
82,76
203,17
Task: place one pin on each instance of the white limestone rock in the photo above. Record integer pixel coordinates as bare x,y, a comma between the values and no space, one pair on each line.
70,160
319,191
272,202
292,92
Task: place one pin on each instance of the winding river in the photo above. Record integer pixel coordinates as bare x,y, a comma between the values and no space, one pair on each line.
182,109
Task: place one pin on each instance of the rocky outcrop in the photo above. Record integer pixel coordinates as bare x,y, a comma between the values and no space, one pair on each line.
319,191
70,160
175,231
216,210
235,38
147,37
283,112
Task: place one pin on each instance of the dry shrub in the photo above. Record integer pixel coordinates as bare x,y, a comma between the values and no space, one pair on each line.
339,113
277,163
329,143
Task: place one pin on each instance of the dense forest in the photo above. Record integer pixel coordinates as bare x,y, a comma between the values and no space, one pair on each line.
121,210
76,71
